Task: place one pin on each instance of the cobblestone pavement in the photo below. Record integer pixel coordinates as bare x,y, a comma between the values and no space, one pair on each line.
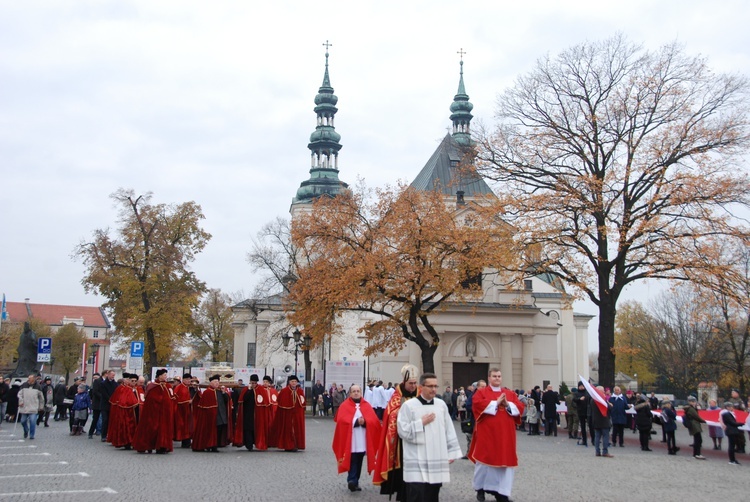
58,467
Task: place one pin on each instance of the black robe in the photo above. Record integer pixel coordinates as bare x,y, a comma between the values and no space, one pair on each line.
248,418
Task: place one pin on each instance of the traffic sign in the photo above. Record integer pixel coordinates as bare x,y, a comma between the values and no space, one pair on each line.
44,350
137,349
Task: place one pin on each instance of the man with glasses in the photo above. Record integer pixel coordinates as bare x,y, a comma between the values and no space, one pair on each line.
429,442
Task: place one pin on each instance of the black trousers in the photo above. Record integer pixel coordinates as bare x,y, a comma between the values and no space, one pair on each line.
697,443
731,443
423,492
644,435
105,422
583,421
94,421
618,430
550,426
670,440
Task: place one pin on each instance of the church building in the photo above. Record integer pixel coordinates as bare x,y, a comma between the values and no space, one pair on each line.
531,332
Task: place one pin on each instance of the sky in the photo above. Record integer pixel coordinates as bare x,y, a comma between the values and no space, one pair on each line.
212,102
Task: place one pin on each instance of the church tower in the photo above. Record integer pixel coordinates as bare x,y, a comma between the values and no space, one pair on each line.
324,149
442,172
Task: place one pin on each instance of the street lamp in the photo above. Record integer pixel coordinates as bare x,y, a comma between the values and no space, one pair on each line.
300,342
95,349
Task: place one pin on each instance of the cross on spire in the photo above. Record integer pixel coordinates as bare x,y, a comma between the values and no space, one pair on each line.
461,52
327,45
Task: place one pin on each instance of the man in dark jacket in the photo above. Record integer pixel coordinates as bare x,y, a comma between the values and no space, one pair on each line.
96,403
61,410
317,390
550,400
582,407
48,392
106,390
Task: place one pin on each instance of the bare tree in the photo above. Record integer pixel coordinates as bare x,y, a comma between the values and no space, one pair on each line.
614,163
213,332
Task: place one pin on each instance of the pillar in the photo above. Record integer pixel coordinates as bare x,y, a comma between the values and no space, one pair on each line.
528,361
506,360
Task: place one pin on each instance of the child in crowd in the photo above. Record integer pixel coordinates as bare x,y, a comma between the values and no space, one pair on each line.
80,410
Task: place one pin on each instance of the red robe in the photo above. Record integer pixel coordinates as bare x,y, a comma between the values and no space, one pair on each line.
205,408
494,439
289,423
388,458
122,416
140,394
342,436
156,423
274,402
264,418
183,416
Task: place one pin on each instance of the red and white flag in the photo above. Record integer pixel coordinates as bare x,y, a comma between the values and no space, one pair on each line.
597,396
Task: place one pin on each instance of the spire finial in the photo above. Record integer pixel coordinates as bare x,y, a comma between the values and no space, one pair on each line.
327,45
461,53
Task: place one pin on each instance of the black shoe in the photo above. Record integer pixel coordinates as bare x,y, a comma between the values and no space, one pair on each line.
104,439
480,495
647,449
676,449
352,487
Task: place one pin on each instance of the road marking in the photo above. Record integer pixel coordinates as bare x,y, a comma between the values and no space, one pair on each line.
43,475
62,462
62,492
12,440
45,454
13,447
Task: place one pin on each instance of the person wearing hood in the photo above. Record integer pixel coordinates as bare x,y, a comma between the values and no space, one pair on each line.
12,397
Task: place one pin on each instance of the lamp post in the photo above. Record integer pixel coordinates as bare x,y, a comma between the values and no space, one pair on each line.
95,348
300,342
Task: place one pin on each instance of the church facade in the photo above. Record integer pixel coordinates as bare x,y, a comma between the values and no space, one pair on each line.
530,332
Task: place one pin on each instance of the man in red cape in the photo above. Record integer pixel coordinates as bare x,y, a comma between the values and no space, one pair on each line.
389,474
122,420
244,426
289,423
497,411
183,413
212,414
156,423
264,413
357,433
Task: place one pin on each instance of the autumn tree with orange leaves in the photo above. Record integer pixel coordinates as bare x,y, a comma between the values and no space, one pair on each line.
403,255
616,163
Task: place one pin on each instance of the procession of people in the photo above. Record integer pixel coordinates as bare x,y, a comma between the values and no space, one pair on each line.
402,435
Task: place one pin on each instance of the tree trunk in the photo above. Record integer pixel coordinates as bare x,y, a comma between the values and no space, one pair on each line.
151,349
428,361
607,313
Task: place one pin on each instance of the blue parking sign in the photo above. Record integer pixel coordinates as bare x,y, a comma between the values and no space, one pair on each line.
137,349
44,346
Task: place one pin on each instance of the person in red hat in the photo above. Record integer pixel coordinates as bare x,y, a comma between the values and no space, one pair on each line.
289,423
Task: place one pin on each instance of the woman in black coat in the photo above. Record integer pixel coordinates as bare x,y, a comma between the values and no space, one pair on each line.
643,422
12,409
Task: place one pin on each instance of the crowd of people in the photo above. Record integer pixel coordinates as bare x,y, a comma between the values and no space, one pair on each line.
405,432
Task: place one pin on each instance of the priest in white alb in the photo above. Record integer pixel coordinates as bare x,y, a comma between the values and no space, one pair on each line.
429,442
497,411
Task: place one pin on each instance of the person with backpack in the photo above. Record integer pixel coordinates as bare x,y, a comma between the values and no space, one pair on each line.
692,421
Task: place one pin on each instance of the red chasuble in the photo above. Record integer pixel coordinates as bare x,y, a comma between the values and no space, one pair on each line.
389,445
183,416
494,440
156,424
342,436
205,407
263,418
122,416
289,423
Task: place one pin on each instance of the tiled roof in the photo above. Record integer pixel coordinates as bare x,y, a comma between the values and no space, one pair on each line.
440,173
53,315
